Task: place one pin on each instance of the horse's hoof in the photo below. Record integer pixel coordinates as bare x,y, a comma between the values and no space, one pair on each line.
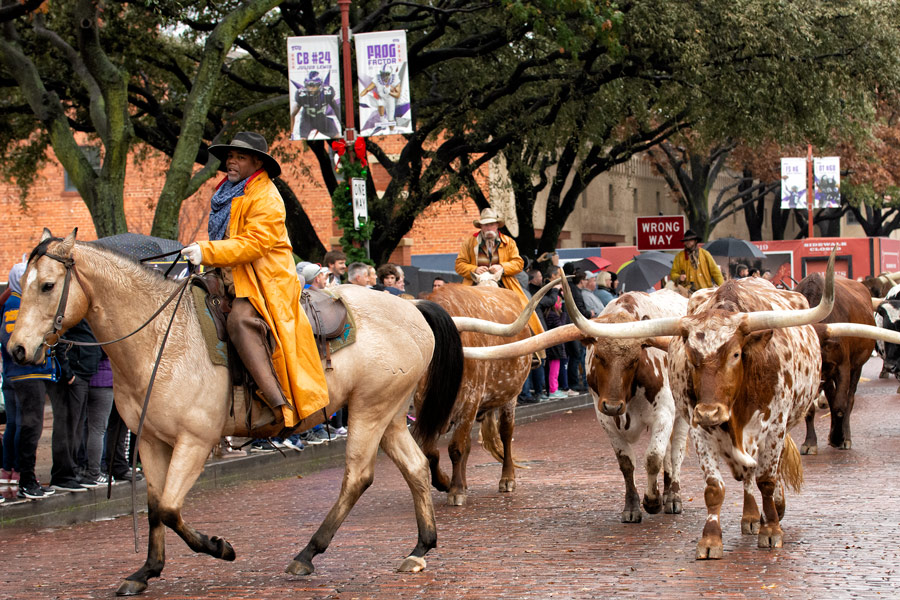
673,507
456,499
807,449
412,564
507,485
224,550
749,526
710,550
846,445
652,506
631,516
300,568
131,588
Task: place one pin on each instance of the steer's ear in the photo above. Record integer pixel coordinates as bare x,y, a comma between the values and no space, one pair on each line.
757,341
660,342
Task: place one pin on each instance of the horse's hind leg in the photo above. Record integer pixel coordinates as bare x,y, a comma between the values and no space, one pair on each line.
155,459
186,465
359,472
400,446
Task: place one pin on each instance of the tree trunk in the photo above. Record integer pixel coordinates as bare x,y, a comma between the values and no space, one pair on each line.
300,229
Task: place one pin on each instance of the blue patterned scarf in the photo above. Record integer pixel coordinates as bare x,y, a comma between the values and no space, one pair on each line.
220,207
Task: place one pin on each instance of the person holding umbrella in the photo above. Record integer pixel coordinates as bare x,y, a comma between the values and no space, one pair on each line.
694,267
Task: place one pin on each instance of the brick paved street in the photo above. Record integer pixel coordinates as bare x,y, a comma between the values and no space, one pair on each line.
557,536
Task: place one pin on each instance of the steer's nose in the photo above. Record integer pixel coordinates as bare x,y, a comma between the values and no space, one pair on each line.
612,408
18,353
709,415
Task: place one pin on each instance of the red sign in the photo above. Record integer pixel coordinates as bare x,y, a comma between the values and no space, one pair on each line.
660,233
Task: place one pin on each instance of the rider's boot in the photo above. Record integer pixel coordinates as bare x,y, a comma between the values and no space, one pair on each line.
254,344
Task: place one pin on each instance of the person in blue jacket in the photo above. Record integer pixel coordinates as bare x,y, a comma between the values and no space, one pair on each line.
32,384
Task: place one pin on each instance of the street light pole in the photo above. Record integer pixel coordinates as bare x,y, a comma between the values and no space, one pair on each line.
810,191
350,125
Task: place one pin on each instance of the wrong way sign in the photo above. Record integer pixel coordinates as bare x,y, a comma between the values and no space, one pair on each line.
660,233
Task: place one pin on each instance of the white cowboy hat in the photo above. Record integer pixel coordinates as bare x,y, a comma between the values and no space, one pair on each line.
488,215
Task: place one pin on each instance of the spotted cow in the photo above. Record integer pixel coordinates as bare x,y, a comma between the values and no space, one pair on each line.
488,388
741,382
842,357
629,382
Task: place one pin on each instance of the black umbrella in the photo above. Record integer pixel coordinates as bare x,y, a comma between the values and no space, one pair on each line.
733,248
641,274
138,246
657,256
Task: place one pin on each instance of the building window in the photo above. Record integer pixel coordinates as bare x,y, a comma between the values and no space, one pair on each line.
658,203
612,203
92,153
851,218
584,198
634,200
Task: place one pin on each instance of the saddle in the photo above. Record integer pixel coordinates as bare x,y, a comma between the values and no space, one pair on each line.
328,318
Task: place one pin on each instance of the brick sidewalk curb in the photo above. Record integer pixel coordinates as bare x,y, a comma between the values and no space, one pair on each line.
68,508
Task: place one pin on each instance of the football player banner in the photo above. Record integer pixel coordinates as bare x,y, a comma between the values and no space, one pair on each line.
827,176
315,90
383,80
793,183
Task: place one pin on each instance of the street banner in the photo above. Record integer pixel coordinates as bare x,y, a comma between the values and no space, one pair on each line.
793,183
827,176
315,89
660,233
383,80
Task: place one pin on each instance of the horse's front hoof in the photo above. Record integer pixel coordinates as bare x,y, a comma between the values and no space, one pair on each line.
652,505
131,588
456,499
224,550
301,568
507,485
771,538
412,564
809,449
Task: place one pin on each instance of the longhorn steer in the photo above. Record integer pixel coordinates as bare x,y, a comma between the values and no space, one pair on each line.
842,358
629,382
742,385
487,388
887,316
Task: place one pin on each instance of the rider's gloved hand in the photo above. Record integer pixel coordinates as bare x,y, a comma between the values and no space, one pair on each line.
192,254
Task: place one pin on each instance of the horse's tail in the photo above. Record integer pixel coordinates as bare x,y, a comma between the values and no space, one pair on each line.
444,374
791,467
490,437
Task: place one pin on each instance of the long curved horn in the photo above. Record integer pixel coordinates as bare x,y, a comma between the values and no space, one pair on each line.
893,277
502,329
862,331
558,335
776,319
876,302
638,329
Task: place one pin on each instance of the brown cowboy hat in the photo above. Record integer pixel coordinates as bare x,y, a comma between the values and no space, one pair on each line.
488,215
690,235
248,141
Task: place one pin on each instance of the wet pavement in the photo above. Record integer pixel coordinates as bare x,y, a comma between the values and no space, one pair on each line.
557,536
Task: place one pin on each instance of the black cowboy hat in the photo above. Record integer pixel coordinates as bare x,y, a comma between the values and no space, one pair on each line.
248,141
690,235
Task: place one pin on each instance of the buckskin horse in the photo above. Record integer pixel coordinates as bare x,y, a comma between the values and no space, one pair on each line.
190,407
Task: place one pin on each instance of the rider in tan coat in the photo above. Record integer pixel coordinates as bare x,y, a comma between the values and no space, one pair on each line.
490,250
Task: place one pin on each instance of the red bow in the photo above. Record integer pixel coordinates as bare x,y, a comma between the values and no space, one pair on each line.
360,147
339,146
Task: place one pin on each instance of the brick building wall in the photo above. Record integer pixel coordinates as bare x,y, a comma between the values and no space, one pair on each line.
440,229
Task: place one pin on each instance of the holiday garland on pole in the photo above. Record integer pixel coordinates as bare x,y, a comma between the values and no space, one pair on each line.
353,241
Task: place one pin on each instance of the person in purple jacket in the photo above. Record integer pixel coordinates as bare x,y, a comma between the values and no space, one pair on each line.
97,408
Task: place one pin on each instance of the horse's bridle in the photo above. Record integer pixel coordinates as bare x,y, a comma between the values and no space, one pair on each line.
69,264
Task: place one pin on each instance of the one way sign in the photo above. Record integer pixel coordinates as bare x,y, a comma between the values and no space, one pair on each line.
660,233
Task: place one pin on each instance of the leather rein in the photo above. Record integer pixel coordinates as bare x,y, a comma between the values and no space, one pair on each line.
69,264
